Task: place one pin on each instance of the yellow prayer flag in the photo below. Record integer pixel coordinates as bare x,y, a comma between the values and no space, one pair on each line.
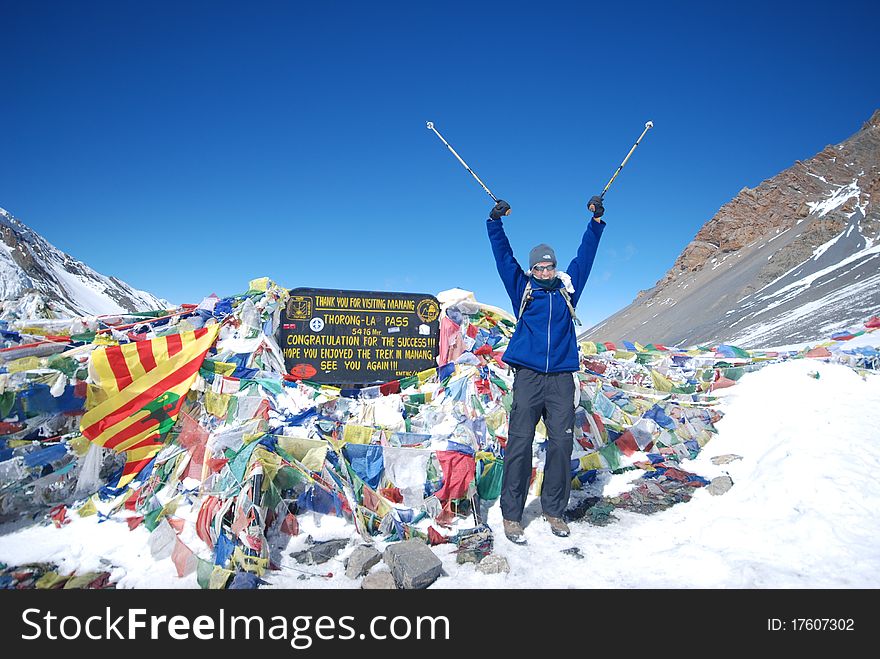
223,368
88,508
310,452
80,445
253,564
24,364
50,580
219,577
588,347
424,376
216,404
538,482
590,461
661,382
541,430
495,419
260,284
81,580
95,395
170,508
271,463
355,434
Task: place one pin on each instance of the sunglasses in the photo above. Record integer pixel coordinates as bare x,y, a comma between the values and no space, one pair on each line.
543,268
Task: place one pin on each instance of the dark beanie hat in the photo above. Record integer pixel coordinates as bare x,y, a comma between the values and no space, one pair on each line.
540,253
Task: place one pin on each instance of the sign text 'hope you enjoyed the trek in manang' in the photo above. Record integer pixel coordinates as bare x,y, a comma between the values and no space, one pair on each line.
359,337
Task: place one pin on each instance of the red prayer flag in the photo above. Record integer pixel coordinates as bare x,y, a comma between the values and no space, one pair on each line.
183,558
392,494
435,537
389,388
627,443
290,525
458,472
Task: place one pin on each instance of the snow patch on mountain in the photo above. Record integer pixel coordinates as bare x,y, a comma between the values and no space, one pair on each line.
39,280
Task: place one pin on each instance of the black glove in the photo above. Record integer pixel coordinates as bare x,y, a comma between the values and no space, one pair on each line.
500,209
595,205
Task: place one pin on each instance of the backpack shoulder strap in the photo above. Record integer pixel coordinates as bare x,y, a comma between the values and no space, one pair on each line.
567,297
527,296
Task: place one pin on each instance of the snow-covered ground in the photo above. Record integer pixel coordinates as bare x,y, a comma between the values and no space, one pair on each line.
804,511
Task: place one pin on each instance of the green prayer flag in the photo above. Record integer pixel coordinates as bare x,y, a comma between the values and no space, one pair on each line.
411,381
612,455
733,373
7,400
152,518
238,462
501,384
66,365
203,573
489,477
272,386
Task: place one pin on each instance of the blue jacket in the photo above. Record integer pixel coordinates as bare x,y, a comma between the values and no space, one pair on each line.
545,338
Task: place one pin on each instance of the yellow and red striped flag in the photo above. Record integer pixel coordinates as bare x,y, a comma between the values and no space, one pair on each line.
146,383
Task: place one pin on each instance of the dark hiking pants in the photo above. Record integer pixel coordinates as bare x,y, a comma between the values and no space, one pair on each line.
537,395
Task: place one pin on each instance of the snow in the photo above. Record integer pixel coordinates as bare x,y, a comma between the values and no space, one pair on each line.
803,511
796,287
13,281
839,299
835,199
86,294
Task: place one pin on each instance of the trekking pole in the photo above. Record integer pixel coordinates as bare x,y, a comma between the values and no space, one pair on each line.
430,125
648,126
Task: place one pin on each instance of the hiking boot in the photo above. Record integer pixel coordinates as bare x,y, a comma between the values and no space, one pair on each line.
558,526
514,532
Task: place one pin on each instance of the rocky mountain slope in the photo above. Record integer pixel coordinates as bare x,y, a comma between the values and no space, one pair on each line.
37,280
794,258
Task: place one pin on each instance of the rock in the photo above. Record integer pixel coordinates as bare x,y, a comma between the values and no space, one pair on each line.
493,564
573,551
719,485
320,552
463,557
361,560
873,122
725,459
379,581
413,564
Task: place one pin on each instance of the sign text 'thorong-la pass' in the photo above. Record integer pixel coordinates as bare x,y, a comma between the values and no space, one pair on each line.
359,337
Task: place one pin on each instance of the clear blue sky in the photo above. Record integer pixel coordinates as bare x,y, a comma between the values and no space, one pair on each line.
188,147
